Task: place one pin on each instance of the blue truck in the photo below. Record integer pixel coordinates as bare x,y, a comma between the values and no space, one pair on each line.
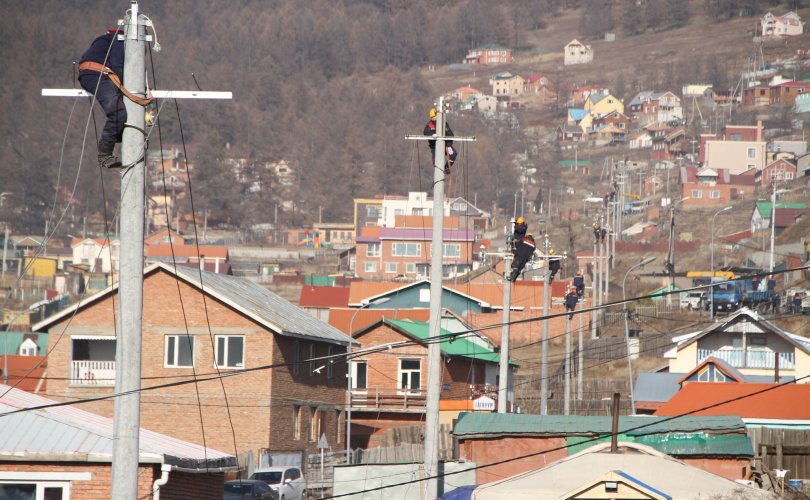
731,295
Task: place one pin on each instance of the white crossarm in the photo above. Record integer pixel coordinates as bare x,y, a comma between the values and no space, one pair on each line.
157,94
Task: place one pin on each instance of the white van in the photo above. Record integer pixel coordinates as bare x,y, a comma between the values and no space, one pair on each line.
288,482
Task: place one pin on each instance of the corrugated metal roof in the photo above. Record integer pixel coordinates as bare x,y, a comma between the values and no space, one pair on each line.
67,432
514,424
677,445
245,296
458,347
263,305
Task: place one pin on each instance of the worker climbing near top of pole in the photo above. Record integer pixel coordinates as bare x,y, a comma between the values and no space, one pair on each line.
430,130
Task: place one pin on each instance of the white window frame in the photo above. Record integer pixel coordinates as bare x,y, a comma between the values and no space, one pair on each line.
355,376
390,267
227,347
697,193
714,194
409,372
403,249
447,246
752,153
370,267
373,249
178,339
410,268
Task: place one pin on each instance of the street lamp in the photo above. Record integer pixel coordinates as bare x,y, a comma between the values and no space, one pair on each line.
643,262
31,308
711,279
381,300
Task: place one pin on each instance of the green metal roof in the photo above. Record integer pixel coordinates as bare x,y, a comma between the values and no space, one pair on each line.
764,207
676,444
457,347
573,163
515,424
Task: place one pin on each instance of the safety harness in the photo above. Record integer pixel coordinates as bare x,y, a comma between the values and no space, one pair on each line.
105,70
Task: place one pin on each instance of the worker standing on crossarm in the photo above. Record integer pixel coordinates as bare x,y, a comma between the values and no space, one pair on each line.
105,56
523,254
430,130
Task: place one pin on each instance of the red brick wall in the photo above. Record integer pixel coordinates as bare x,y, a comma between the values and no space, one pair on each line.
251,396
729,468
100,484
483,451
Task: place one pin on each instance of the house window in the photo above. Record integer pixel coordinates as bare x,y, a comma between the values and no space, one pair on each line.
230,351
370,267
296,368
752,153
359,374
410,268
338,427
715,195
373,250
46,490
410,373
451,250
406,250
696,193
296,422
317,423
759,341
788,175
179,351
391,267
373,212
312,359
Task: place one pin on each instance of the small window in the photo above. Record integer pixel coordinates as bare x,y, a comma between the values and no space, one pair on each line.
179,351
230,351
330,363
360,374
759,341
696,193
314,423
312,359
390,267
752,152
715,195
296,368
296,422
370,267
410,268
373,250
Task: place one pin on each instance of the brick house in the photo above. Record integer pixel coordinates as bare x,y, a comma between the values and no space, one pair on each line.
710,187
759,95
404,250
649,106
789,24
787,92
61,452
388,390
199,322
489,54
778,171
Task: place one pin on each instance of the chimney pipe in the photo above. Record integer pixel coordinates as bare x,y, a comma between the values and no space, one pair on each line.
614,428
776,368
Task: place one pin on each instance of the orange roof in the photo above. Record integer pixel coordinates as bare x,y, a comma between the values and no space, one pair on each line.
525,294
788,402
341,317
324,296
374,231
207,251
423,221
362,290
24,374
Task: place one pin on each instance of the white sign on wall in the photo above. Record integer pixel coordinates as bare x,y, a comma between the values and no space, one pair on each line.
483,403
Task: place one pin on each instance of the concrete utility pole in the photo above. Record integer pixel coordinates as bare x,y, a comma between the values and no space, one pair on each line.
126,410
503,369
431,467
580,356
544,350
567,364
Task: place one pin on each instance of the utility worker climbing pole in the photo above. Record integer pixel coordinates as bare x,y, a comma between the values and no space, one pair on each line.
430,130
523,253
519,232
553,265
579,284
105,56
101,73
571,300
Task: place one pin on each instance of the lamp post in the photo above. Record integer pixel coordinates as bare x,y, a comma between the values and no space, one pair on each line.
31,308
381,300
643,262
711,279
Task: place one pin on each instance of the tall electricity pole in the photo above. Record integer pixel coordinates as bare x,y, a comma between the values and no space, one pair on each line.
431,467
126,410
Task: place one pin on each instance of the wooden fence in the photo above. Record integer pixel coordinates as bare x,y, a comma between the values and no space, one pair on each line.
782,449
405,444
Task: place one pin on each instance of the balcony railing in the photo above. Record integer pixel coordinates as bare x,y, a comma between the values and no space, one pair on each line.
92,373
757,359
390,399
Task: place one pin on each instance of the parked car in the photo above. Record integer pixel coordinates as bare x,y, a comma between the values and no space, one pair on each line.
694,301
248,489
288,482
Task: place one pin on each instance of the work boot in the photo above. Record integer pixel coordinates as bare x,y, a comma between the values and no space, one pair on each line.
106,158
447,170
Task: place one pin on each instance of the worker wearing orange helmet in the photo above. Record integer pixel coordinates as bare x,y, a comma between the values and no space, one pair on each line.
430,130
